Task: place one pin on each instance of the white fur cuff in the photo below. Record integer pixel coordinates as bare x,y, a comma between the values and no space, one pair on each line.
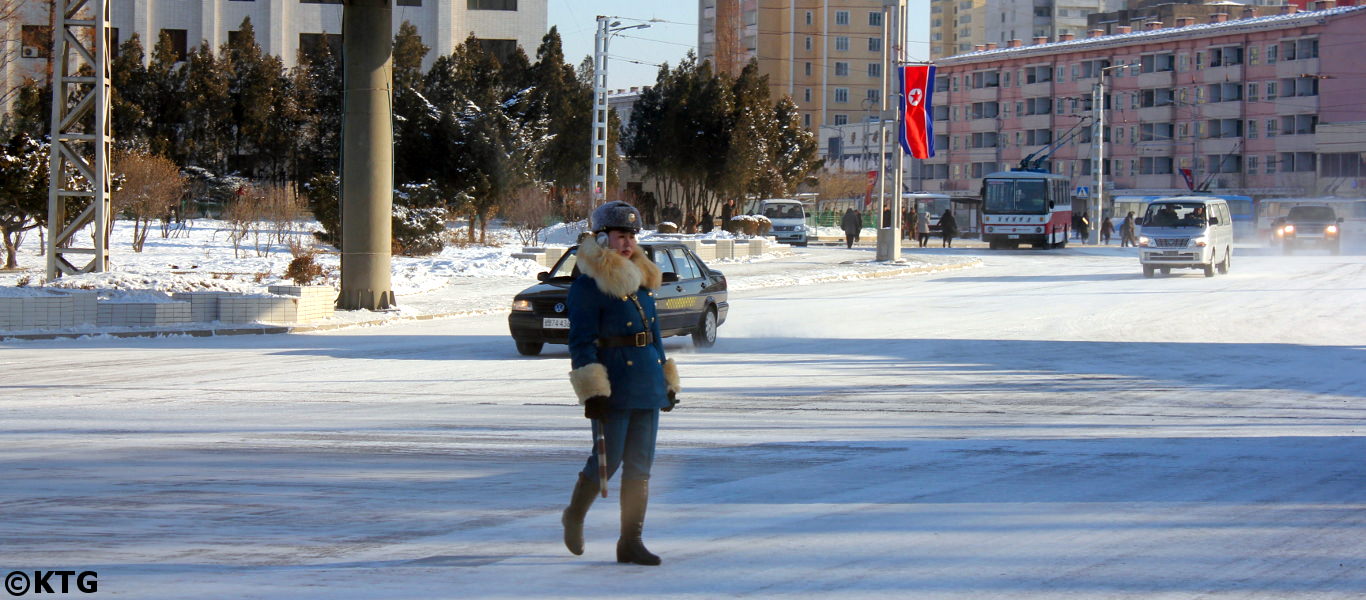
590,380
671,376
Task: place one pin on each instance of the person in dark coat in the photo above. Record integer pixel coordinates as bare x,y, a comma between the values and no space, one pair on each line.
948,227
727,211
851,223
706,225
1085,225
1107,229
1128,231
620,373
908,224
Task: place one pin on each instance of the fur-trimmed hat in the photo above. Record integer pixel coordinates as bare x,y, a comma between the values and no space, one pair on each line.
615,215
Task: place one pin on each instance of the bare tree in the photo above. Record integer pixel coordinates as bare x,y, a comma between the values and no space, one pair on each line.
152,187
529,211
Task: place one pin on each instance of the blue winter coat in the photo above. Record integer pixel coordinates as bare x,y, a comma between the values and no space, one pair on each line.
608,299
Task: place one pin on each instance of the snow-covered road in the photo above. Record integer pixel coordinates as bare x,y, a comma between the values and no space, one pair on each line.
1049,425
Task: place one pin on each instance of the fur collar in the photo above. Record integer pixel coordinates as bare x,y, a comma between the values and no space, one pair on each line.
615,275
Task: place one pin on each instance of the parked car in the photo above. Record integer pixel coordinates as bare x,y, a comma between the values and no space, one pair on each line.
1309,225
692,301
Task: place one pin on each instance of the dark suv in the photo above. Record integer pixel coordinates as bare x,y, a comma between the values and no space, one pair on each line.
1309,225
692,301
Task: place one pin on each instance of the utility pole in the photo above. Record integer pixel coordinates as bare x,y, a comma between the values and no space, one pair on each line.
597,172
1098,138
367,169
893,36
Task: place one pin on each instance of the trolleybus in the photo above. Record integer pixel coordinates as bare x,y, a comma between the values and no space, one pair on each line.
1026,207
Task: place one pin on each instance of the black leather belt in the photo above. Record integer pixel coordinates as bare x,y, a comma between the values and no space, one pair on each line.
639,340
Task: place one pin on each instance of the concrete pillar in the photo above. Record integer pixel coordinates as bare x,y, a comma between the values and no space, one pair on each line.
367,175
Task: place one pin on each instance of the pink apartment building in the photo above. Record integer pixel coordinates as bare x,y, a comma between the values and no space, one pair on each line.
1264,106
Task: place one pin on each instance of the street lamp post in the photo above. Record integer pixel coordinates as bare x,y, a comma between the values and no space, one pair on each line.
597,173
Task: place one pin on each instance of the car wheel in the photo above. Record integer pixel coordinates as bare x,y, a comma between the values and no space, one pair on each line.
1227,262
529,348
705,334
1209,269
1166,270
1148,271
1337,248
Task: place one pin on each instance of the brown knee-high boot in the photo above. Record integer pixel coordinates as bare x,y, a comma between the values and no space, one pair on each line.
585,492
635,495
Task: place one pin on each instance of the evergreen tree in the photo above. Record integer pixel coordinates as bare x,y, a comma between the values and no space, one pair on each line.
260,93
567,103
412,158
165,107
23,192
793,151
748,168
318,102
130,94
208,110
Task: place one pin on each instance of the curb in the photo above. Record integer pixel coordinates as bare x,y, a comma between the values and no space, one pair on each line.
277,329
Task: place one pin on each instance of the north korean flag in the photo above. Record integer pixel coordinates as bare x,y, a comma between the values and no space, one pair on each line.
917,113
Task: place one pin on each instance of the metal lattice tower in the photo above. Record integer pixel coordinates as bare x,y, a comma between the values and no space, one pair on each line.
78,191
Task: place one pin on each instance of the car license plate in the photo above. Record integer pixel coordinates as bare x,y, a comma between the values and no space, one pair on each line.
550,323
1164,253
1013,237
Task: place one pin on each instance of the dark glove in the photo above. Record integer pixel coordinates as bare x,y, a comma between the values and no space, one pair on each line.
595,408
673,401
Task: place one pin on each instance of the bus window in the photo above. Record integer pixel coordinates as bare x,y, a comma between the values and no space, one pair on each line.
1016,196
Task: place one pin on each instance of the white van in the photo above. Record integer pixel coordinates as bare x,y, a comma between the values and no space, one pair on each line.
788,218
1186,232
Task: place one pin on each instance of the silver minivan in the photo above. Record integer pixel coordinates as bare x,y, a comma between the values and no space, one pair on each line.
1186,232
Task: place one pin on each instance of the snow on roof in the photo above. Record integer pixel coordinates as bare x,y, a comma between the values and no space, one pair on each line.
1203,29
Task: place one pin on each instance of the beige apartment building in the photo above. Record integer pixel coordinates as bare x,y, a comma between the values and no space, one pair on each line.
825,54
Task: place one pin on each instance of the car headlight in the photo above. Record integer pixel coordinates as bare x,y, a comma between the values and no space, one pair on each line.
521,305
1143,240
1331,230
1200,242
1288,229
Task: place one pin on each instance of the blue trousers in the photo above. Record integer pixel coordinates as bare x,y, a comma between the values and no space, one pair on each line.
630,440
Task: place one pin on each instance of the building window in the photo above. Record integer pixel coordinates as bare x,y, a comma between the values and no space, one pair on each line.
1270,90
1271,127
842,43
492,5
875,69
1271,163
841,17
875,19
841,95
179,42
874,96
37,42
806,120
841,69
1252,165
808,42
808,17
841,119
1251,130
1271,57
806,95
1251,92
875,44
1158,63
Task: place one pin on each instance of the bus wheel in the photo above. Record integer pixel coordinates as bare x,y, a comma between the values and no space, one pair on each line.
993,244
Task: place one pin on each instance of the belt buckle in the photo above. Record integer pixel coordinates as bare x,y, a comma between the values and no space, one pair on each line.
642,339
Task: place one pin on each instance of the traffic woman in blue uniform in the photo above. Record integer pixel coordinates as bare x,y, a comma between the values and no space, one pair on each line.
620,373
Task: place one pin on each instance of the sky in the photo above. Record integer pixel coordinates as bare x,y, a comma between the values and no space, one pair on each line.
663,42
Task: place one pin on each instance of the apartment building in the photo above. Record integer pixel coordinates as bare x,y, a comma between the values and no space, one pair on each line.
825,54
1247,104
957,26
283,26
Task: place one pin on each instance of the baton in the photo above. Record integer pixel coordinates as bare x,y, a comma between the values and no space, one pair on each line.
601,441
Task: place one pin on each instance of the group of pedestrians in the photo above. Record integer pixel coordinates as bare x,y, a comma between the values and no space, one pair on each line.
915,226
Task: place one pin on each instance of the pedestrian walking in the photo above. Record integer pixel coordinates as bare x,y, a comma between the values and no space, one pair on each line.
948,227
620,373
922,228
911,217
1085,227
851,223
1128,231
1107,229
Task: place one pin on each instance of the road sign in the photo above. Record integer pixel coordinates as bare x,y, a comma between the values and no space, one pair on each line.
1082,192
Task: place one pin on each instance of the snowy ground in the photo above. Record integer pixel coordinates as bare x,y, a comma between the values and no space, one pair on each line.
1049,425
